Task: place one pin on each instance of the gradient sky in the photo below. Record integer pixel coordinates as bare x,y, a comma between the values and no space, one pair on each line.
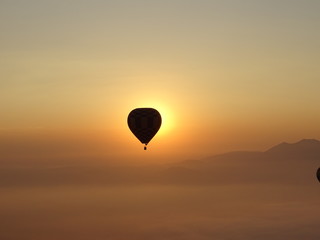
225,75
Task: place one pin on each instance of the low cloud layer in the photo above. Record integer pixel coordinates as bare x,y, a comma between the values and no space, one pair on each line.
238,212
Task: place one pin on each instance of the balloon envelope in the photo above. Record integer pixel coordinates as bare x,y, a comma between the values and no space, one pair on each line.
144,123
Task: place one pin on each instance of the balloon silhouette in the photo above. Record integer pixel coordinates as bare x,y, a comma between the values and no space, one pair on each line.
144,123
318,174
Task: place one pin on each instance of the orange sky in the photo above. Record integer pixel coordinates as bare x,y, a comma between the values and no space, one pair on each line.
224,75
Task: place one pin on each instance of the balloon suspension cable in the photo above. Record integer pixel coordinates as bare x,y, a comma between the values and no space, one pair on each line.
145,147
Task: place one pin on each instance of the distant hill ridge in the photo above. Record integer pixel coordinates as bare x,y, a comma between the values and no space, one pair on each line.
304,147
294,163
286,162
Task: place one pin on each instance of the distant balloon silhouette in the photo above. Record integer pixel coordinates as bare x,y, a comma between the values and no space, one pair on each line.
144,123
318,174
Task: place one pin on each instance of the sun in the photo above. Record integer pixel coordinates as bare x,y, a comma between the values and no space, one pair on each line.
167,117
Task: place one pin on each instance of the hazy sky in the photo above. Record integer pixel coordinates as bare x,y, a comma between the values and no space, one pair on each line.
225,75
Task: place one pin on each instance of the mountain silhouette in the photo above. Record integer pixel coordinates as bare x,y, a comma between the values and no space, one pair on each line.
283,163
306,148
293,163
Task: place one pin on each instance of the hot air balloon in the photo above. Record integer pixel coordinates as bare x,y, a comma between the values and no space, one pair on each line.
318,174
144,123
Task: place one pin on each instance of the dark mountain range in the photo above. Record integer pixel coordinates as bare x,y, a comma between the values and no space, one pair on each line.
294,163
286,162
306,149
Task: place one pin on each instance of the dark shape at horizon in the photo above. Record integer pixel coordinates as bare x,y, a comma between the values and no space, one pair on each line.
318,174
144,123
